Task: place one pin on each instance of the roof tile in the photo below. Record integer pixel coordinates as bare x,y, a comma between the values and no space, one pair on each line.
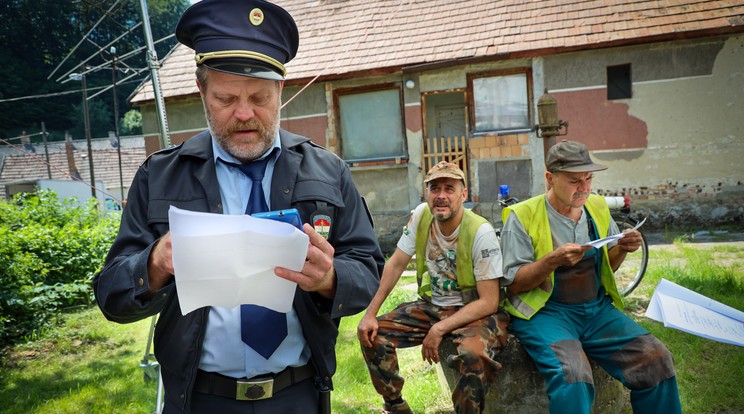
341,37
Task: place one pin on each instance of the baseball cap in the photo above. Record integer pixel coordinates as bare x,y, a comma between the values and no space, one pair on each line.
444,169
251,38
570,156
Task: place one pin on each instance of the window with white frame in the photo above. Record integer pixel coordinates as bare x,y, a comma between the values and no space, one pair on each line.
371,123
501,101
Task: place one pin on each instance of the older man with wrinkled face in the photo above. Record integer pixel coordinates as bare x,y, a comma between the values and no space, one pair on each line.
563,297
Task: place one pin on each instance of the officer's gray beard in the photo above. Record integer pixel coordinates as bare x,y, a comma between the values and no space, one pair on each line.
244,153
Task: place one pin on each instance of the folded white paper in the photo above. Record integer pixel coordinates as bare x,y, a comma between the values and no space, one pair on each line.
681,308
229,260
601,242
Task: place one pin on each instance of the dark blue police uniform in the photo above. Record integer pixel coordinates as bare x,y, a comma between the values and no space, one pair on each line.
250,38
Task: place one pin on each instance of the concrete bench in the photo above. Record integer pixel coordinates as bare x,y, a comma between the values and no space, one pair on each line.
520,389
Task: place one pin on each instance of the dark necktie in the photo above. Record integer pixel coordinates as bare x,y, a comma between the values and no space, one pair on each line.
262,329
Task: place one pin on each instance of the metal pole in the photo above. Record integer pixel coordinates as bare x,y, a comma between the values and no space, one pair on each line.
116,120
152,63
46,149
86,117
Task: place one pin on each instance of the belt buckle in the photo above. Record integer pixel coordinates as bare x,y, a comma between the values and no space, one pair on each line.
254,390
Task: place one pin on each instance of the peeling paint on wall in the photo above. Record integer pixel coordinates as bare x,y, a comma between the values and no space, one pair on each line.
413,117
599,123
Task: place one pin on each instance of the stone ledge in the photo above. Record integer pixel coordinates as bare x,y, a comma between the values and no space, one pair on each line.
520,389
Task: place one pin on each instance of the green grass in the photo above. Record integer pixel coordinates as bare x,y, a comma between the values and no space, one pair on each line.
354,391
89,365
710,374
86,365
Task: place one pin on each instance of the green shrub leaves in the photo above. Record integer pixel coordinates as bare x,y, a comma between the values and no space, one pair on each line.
49,252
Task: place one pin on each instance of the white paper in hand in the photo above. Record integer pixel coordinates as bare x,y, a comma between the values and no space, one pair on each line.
601,242
229,260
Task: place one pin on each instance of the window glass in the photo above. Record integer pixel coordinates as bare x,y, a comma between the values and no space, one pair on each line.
619,85
501,103
372,125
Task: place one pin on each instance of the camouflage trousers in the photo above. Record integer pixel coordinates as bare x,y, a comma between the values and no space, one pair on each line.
476,343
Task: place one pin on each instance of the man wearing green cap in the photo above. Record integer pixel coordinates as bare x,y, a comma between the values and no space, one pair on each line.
562,294
458,265
246,359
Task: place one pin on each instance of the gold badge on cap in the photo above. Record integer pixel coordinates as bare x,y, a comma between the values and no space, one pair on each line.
256,17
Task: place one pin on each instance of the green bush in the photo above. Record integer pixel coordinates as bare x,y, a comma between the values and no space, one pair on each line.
50,251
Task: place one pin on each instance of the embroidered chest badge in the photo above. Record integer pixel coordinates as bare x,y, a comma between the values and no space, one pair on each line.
322,224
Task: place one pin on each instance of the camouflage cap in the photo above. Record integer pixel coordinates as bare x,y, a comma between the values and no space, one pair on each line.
444,169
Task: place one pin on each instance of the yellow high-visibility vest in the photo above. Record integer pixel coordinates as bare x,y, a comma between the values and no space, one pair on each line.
533,215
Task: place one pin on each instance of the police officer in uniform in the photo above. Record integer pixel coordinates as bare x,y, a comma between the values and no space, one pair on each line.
210,358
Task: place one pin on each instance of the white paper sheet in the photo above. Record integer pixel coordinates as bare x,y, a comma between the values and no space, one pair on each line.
681,308
601,242
228,260
701,321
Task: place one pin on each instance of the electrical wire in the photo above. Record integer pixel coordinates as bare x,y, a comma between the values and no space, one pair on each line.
50,95
348,50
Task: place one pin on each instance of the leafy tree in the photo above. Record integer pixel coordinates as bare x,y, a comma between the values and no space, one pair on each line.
131,124
37,35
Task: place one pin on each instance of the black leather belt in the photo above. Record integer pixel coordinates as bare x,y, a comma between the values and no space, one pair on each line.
250,389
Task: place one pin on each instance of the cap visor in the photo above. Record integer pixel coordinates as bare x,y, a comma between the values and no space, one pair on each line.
244,69
584,168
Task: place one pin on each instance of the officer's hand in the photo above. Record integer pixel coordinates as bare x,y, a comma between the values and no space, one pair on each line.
631,241
367,330
430,346
160,263
318,274
569,254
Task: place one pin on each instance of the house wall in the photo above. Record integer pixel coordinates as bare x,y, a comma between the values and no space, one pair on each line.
675,146
306,113
494,159
185,118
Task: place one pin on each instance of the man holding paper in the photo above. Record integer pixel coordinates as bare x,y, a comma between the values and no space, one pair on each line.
563,296
216,359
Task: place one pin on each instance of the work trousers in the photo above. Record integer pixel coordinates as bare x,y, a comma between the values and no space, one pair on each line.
476,343
560,337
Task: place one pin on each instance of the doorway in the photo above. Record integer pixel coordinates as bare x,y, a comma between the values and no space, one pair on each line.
445,130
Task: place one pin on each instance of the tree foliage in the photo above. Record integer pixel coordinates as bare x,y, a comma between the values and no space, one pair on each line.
131,124
37,36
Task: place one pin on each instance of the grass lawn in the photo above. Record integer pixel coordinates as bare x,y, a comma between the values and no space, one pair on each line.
89,365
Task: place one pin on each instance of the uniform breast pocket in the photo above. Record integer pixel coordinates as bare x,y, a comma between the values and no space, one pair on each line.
157,211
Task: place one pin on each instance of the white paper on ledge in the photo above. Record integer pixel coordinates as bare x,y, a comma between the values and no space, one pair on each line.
681,308
229,260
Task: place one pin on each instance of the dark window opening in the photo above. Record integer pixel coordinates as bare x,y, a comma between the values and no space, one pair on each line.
619,84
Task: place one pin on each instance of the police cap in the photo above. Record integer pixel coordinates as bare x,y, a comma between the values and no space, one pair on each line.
246,37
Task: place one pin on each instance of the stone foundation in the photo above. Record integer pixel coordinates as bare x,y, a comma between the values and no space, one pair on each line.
520,389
